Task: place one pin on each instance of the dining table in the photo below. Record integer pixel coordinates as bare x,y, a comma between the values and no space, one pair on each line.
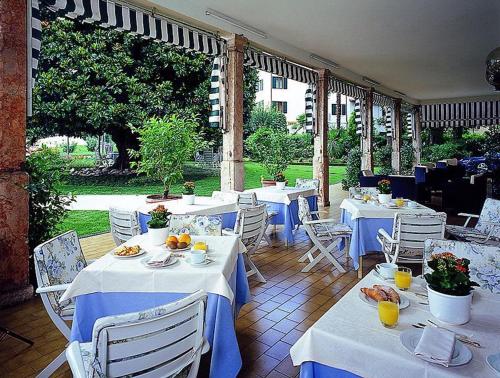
349,340
114,285
283,202
365,219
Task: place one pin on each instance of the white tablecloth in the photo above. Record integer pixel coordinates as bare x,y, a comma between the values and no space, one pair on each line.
287,195
359,209
111,274
350,337
202,206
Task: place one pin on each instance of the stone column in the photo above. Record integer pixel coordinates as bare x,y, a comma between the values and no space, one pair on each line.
321,166
232,172
367,133
417,135
396,138
14,266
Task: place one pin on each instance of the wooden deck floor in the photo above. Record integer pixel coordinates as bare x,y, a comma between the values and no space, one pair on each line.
279,313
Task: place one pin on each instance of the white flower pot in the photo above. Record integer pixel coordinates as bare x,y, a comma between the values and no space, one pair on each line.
157,236
384,198
451,309
188,199
280,184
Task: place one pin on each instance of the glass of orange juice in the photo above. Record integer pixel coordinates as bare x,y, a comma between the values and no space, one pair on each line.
402,278
388,313
400,202
366,197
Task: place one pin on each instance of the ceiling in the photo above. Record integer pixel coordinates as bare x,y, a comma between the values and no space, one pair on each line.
427,49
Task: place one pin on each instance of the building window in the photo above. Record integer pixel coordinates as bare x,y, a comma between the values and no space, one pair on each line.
281,106
260,85
280,82
343,109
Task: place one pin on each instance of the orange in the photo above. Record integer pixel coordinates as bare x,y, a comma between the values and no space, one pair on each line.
184,238
172,238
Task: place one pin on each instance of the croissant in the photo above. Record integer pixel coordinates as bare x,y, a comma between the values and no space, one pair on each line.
390,292
375,294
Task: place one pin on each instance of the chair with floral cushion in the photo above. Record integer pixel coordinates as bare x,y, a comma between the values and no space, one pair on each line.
57,262
164,341
355,191
484,260
324,233
487,227
208,225
301,183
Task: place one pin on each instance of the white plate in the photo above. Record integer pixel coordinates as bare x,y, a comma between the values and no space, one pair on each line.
410,338
405,302
141,252
170,262
205,263
493,361
179,249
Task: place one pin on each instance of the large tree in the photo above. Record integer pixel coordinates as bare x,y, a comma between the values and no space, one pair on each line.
94,80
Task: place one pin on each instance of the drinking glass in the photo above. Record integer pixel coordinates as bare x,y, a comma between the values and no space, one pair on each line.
388,313
402,278
400,202
366,197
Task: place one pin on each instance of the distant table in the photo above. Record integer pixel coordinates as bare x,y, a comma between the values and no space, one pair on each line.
349,341
284,203
225,207
365,219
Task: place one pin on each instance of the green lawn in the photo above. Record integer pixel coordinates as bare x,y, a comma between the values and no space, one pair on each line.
92,222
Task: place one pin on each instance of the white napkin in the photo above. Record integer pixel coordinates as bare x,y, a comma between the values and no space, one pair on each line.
436,345
159,258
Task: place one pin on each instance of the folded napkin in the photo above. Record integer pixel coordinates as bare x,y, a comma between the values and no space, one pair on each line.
436,345
159,258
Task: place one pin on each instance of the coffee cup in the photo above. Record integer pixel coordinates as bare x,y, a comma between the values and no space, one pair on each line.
198,256
386,270
412,204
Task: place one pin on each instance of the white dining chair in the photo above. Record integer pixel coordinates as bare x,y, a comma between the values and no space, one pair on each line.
249,199
324,234
165,341
406,244
208,225
57,262
124,224
360,191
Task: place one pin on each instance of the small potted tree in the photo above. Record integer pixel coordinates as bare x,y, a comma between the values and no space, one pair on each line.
165,146
449,288
188,193
158,225
385,195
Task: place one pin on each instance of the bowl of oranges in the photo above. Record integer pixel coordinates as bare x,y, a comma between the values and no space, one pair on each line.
178,243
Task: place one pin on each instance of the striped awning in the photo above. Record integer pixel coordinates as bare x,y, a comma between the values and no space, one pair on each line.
336,85
215,118
410,124
388,120
383,100
310,99
358,113
278,66
461,114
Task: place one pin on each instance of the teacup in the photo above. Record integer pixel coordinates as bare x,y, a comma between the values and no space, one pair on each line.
198,256
412,204
386,270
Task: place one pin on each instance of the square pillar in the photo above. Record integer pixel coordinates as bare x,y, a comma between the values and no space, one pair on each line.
14,268
396,138
367,133
232,170
321,164
417,135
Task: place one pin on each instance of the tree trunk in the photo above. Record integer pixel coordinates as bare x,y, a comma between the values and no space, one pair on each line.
124,140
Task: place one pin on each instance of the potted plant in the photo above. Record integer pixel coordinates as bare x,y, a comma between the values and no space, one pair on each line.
158,225
165,146
188,193
272,149
280,180
384,187
449,288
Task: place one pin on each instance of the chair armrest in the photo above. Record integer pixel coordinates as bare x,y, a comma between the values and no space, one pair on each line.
228,232
384,235
75,360
320,221
469,217
52,289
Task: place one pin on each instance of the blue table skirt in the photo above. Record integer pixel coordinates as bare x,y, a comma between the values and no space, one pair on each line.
228,220
364,234
288,215
316,370
219,324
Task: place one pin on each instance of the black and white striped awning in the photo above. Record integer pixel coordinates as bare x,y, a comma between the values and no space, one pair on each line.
461,114
383,100
388,121
410,124
358,113
278,66
310,100
336,85
215,118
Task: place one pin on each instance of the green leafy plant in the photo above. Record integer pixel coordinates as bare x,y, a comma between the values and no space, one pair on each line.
188,188
160,217
353,169
342,141
384,186
450,274
266,117
271,148
279,177
165,146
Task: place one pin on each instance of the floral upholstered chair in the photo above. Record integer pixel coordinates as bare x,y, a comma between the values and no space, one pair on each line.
360,191
484,260
307,183
209,225
487,227
57,262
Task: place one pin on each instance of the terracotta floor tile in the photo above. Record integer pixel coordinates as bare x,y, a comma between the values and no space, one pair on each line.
285,325
286,367
270,337
269,306
298,315
262,325
279,350
292,336
264,365
289,306
276,315
254,350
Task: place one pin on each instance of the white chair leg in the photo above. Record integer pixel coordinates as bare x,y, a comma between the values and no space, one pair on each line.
309,255
328,254
53,366
313,263
253,270
267,239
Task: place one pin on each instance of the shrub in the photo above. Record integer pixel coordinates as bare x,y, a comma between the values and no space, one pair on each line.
382,157
446,150
341,141
302,147
91,142
71,147
407,158
268,117
353,169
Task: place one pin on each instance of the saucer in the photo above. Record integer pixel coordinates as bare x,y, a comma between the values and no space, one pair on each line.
380,277
204,263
